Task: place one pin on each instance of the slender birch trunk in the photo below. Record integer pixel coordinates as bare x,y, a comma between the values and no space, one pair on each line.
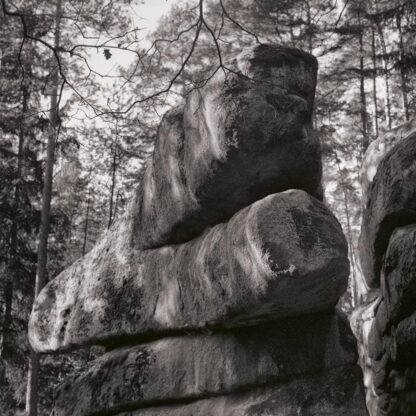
403,80
41,269
363,100
374,59
113,184
87,217
385,68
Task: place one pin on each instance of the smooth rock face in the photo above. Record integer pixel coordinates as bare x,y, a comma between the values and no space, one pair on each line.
392,340
284,255
196,366
337,392
237,140
391,204
377,150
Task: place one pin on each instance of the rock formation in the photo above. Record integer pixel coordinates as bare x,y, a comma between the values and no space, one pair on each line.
215,294
377,150
391,203
237,140
385,322
267,260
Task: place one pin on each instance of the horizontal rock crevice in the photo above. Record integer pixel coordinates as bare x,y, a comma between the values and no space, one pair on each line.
193,367
284,255
335,392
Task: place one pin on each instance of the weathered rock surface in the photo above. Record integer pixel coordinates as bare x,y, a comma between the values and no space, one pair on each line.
237,140
392,340
197,366
399,278
391,204
362,320
375,153
377,150
386,321
284,255
237,319
337,392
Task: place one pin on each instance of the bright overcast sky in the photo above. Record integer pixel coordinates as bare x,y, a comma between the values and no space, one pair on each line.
146,14
151,10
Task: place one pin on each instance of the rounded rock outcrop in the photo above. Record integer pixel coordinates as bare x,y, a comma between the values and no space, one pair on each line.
215,294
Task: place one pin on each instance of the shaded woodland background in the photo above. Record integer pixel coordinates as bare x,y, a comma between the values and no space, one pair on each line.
103,121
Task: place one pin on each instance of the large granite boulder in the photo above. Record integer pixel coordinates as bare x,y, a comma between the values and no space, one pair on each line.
198,366
391,204
215,293
241,137
386,324
337,392
376,152
392,340
284,255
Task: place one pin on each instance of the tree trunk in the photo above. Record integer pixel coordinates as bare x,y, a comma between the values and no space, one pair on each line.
403,81
11,270
292,35
116,203
373,57
310,47
41,269
386,78
7,319
84,246
113,184
309,29
363,106
385,67
350,239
